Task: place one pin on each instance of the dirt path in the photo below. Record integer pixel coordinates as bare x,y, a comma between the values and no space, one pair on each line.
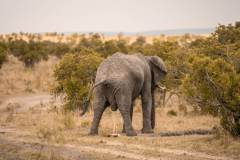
24,102
174,152
16,140
12,149
69,151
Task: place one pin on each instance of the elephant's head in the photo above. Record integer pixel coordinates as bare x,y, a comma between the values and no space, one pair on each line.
158,69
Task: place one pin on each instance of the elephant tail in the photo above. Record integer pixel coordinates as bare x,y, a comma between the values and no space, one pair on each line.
86,100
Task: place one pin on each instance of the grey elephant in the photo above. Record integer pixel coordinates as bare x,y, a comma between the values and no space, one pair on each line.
120,79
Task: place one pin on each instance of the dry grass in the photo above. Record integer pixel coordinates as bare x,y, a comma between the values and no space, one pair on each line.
15,78
111,121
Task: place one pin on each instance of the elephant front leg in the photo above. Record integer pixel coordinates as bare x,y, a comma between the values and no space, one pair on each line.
153,111
147,111
153,117
131,114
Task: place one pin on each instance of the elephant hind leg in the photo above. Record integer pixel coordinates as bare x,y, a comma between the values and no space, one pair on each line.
99,107
127,122
131,115
124,106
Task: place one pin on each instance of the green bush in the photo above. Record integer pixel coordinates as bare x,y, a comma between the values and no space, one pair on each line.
227,34
214,86
212,83
110,47
93,42
3,55
28,52
178,66
172,113
74,75
139,45
34,51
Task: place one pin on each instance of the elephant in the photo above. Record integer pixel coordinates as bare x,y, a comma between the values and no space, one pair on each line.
120,79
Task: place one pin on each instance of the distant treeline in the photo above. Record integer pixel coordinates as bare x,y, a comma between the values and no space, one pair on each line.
34,49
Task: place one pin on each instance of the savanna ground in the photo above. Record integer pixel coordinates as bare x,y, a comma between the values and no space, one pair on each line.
33,126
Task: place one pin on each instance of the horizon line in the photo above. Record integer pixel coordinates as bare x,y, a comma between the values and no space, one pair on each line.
210,29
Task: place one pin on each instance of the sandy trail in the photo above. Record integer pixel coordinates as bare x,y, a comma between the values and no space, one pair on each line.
14,137
175,152
24,102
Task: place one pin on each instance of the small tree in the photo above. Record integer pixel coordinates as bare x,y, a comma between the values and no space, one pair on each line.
228,34
110,47
74,75
138,45
214,86
3,56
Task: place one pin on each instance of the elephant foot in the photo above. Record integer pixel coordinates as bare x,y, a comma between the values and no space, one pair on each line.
147,131
131,133
93,133
123,131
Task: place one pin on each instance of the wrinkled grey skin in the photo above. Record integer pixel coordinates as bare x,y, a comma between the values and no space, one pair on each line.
120,79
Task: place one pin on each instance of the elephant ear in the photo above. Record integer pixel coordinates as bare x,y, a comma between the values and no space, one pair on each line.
158,62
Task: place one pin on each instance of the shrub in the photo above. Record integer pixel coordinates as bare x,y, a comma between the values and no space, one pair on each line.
74,75
172,113
138,45
163,49
178,66
3,56
214,86
29,52
110,47
212,83
228,34
61,49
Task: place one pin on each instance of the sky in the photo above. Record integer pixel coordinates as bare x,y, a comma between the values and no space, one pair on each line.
114,15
